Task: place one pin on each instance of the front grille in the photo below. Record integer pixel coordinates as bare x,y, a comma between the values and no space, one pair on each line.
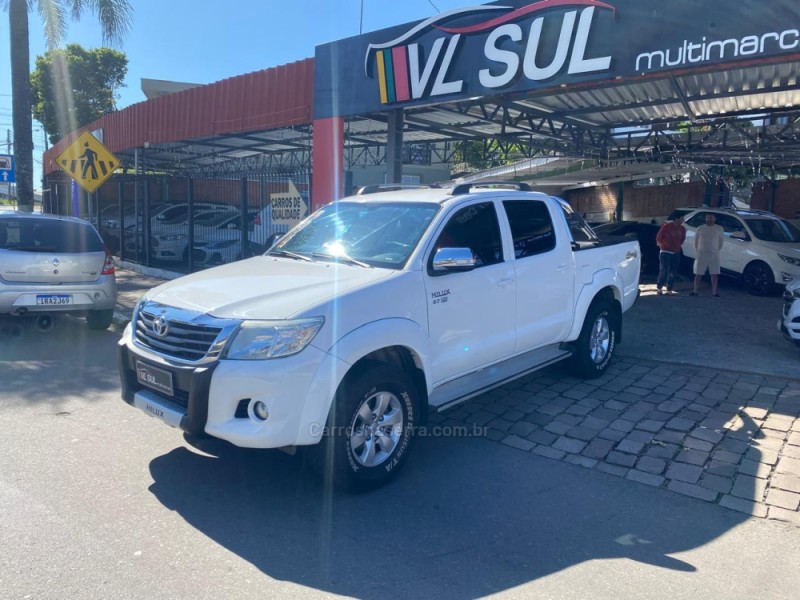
184,340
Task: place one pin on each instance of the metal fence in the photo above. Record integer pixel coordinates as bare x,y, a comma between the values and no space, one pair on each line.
187,223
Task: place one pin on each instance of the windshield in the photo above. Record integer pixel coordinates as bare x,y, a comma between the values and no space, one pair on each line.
378,234
774,230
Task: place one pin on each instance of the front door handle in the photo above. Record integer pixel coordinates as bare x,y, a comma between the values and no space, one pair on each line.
505,282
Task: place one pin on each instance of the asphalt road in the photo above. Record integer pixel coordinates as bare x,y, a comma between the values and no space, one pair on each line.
99,501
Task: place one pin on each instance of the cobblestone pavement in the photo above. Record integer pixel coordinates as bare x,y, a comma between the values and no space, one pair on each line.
722,437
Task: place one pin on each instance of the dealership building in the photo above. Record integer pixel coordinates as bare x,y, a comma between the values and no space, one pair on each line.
625,108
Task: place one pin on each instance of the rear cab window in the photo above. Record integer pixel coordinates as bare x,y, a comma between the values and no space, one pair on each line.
48,235
583,236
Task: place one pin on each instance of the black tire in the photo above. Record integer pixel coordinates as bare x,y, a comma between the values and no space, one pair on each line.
594,348
99,319
375,392
758,279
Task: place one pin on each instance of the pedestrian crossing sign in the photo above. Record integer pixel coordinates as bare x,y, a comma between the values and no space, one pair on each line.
88,162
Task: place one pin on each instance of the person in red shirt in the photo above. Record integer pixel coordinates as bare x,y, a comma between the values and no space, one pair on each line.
669,239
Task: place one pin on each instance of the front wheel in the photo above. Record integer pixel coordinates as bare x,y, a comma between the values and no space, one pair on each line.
371,428
595,346
99,319
758,279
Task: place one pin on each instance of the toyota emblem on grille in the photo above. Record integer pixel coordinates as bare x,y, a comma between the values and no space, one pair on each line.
160,326
56,262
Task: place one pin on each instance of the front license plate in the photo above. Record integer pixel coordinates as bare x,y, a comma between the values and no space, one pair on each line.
154,378
53,299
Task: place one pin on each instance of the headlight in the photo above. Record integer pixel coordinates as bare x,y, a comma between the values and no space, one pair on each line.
790,259
259,340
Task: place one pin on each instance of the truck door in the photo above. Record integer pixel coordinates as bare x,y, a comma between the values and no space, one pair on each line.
543,268
471,315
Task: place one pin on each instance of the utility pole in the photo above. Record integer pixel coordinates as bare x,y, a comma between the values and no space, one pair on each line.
8,141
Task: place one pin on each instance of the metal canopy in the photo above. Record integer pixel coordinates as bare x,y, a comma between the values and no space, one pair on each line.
745,116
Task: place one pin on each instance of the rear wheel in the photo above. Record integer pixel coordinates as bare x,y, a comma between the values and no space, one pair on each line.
595,346
758,278
99,319
371,428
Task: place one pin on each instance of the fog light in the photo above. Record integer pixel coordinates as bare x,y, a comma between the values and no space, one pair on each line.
97,296
260,411
787,277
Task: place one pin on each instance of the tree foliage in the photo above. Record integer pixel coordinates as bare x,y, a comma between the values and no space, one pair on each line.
75,86
115,19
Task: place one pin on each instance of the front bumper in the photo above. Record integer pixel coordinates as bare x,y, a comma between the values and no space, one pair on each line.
217,398
789,323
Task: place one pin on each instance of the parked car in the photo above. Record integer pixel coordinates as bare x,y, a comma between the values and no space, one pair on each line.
218,230
645,233
679,212
759,247
54,264
372,313
789,323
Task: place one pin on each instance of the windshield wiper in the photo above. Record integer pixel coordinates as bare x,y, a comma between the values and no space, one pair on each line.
288,254
343,258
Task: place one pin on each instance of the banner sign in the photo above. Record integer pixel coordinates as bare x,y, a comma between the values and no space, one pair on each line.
521,46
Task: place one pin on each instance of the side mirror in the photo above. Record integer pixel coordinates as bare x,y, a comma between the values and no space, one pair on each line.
739,235
453,259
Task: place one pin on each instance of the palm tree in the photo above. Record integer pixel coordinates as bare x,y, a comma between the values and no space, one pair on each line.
114,17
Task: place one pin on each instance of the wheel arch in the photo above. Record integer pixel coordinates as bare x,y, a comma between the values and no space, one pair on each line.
611,292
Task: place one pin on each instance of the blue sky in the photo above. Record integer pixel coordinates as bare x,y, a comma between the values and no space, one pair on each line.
202,41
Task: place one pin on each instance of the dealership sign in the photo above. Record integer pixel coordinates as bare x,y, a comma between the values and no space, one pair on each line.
523,45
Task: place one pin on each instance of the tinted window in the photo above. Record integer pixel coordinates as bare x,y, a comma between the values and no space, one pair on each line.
531,227
696,220
474,227
729,223
773,230
578,227
46,235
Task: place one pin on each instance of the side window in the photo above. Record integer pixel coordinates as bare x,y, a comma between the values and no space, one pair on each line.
474,227
729,223
578,227
697,220
531,227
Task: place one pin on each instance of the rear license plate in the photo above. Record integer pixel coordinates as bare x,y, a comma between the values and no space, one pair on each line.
53,299
154,378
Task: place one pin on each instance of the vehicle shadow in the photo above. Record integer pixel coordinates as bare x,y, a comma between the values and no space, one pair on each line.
69,359
479,519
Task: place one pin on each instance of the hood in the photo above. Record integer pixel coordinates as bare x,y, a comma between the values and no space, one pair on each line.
264,287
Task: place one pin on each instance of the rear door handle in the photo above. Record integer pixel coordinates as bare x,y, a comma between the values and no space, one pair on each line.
631,254
560,268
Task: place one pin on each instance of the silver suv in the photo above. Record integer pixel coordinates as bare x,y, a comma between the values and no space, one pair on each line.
55,264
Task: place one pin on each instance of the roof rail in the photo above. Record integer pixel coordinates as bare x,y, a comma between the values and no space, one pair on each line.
465,188
389,187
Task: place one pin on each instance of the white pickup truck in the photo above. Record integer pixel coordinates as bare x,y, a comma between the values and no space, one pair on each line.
372,312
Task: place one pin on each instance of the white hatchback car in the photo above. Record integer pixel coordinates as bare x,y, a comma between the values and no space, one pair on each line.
54,264
789,323
760,247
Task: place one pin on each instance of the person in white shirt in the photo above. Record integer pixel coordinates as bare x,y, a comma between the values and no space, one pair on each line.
707,245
